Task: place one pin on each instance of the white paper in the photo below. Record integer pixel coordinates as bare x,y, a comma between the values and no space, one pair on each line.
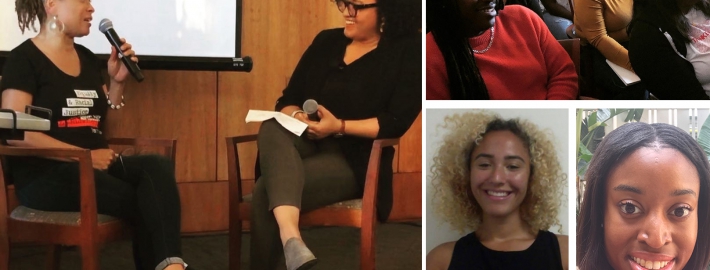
626,76
291,124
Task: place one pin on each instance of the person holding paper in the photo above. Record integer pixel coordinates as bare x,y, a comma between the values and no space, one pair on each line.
52,71
477,49
366,78
602,24
675,60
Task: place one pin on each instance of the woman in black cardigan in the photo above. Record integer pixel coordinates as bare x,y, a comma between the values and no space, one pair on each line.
660,37
366,78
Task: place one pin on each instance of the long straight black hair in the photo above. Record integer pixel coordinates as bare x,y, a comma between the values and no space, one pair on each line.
616,147
668,15
445,22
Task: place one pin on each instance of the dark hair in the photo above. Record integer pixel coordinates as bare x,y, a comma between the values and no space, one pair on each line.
28,11
402,18
615,148
445,22
512,125
668,15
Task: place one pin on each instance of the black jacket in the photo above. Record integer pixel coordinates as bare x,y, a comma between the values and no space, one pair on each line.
663,70
385,83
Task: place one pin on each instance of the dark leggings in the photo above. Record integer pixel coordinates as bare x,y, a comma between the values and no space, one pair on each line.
144,194
298,172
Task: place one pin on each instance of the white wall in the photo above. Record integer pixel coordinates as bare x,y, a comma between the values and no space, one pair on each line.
204,28
556,120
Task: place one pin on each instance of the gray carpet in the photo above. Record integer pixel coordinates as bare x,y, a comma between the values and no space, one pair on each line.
399,246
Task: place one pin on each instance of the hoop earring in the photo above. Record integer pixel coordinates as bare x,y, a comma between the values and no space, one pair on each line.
54,25
382,26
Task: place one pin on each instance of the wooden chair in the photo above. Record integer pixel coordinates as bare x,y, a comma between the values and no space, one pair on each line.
354,213
86,228
572,46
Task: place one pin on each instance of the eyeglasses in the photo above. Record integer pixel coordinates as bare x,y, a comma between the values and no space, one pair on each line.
352,7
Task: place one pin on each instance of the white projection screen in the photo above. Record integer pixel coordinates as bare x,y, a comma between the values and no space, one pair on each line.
166,34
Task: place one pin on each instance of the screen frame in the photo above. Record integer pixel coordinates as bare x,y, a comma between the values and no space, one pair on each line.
153,62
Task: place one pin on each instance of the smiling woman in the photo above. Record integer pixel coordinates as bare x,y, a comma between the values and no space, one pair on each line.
646,202
501,179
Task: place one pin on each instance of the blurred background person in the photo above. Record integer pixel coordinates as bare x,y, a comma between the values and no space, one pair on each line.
602,24
674,62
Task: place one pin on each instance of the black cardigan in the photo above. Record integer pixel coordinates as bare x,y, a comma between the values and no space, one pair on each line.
663,71
384,83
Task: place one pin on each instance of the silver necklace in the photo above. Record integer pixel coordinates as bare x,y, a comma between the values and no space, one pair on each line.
490,42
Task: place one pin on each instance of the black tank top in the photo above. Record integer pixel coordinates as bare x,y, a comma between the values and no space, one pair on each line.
543,254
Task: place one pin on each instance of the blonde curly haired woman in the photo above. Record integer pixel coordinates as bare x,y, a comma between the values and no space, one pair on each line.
502,180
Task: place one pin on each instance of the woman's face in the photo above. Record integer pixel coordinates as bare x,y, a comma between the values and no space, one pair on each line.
75,14
500,170
363,25
651,219
478,15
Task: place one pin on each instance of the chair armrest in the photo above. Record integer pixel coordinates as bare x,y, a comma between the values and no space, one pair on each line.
369,199
89,219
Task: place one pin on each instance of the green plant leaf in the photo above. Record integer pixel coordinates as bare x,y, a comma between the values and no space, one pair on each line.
592,119
585,154
704,137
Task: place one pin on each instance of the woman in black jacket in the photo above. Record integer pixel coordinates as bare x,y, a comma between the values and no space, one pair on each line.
664,46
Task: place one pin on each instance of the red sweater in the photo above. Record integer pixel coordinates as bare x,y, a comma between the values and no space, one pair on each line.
524,61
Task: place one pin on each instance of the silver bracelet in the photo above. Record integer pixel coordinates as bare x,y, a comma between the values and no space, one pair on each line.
293,114
113,106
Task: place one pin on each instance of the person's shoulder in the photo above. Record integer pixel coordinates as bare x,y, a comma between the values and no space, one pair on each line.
439,258
521,18
330,34
84,50
517,12
25,48
432,49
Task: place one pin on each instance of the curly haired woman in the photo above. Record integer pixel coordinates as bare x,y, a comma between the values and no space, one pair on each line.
502,180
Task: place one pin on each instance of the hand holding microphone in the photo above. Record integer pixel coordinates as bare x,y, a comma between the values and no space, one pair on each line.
326,123
122,50
310,107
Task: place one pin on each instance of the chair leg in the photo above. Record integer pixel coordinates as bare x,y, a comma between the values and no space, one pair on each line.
235,245
54,256
90,257
4,252
367,245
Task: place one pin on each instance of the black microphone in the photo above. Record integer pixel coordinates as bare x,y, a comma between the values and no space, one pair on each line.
310,107
106,27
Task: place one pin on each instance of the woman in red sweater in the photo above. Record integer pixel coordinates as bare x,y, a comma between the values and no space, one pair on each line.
477,50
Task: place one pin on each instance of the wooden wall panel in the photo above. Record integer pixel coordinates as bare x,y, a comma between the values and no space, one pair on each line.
205,207
410,146
173,104
407,197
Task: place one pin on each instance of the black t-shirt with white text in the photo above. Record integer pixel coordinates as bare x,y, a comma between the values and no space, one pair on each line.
78,104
